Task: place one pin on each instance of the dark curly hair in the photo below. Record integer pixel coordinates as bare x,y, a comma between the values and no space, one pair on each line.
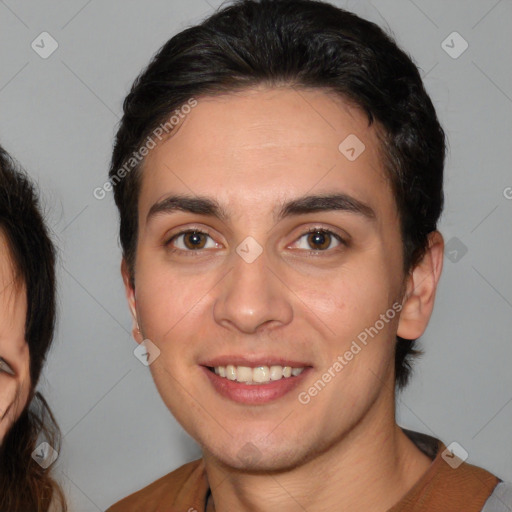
299,43
24,484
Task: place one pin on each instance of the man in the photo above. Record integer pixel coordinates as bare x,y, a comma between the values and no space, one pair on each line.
278,172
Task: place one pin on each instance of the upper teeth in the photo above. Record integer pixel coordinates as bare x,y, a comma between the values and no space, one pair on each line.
258,375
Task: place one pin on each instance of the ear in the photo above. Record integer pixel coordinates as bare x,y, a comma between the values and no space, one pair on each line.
130,297
421,285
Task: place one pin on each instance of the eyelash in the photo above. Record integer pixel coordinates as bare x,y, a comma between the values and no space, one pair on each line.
198,252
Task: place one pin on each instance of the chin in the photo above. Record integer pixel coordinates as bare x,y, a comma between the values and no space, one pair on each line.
254,457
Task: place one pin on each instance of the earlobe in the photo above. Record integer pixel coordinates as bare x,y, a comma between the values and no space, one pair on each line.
130,297
137,335
421,289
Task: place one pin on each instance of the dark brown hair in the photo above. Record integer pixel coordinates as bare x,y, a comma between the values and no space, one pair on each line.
24,484
299,43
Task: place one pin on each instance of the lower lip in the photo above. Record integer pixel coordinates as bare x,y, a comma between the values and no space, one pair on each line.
254,393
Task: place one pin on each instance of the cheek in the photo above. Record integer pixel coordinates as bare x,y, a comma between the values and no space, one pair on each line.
22,400
358,343
169,305
13,396
348,301
175,311
7,393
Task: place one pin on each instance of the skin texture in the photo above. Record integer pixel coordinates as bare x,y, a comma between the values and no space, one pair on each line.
250,151
14,389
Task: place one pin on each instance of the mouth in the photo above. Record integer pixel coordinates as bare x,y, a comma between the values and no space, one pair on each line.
255,382
256,375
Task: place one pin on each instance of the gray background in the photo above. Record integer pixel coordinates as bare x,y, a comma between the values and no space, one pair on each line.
58,117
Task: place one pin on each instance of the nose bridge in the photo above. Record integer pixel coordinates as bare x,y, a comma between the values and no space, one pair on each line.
252,295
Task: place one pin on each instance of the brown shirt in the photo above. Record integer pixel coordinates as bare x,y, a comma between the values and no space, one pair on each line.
442,488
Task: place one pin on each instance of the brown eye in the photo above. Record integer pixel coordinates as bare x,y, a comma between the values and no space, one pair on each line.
191,241
194,240
320,239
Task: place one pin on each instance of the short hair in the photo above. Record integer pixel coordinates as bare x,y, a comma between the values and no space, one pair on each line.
302,44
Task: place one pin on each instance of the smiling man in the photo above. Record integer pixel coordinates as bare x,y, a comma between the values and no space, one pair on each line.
278,172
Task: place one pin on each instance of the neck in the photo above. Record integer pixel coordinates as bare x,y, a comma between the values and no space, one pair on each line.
369,468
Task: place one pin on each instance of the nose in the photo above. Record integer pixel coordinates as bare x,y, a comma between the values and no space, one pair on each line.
252,297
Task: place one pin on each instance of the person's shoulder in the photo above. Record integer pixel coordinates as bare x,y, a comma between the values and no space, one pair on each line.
450,483
456,482
165,488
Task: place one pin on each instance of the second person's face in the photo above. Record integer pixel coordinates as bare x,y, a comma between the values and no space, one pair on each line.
251,290
14,351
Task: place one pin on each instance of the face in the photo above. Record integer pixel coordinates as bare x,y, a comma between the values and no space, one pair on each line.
14,365
250,293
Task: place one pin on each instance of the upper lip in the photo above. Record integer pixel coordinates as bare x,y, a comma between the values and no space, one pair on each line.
255,360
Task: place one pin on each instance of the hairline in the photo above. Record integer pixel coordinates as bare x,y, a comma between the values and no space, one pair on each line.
385,157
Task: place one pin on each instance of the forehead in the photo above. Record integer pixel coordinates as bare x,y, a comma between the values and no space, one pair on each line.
12,290
7,270
264,145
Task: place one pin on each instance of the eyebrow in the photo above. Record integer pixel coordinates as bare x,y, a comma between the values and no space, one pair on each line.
299,206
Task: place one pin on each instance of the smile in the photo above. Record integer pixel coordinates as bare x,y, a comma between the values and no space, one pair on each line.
256,375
